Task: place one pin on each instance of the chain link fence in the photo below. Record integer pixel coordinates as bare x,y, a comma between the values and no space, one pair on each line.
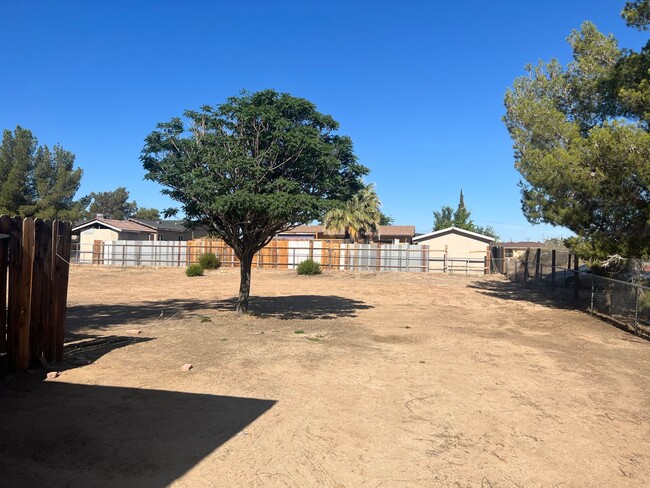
623,300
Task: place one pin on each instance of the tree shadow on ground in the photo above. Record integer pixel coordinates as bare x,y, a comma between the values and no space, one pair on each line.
64,434
300,307
303,307
533,292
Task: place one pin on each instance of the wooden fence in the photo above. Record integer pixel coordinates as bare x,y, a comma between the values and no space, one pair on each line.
34,266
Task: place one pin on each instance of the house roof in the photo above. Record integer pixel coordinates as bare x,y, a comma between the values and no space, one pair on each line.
454,230
114,224
383,230
173,225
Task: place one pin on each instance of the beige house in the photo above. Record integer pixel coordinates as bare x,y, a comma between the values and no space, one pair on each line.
454,250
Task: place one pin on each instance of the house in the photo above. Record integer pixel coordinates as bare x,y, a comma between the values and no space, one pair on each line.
516,249
456,250
103,229
385,233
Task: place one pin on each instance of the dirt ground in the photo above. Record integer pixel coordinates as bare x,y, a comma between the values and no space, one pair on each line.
339,380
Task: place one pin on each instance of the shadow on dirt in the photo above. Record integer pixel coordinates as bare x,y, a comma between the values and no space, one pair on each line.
63,434
512,290
303,307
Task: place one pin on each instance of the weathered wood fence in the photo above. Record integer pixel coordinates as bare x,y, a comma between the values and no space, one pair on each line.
34,266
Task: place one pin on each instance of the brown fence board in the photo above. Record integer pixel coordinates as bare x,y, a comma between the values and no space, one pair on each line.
5,228
34,291
24,288
61,241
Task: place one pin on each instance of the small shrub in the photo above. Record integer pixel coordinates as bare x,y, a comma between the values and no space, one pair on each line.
209,261
309,267
299,331
194,270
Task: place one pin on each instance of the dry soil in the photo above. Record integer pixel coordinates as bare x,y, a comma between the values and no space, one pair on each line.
338,380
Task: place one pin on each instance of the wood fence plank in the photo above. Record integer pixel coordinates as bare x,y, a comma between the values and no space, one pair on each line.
13,305
24,288
61,243
5,228
40,293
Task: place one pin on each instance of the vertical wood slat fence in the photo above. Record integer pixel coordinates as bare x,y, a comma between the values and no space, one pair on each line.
34,267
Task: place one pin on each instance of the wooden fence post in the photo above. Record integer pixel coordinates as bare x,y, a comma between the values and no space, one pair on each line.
5,229
61,241
41,277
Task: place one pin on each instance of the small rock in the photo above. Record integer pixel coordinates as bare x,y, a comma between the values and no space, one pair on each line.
134,331
53,374
186,367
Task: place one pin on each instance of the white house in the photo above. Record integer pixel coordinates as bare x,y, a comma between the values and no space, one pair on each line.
454,250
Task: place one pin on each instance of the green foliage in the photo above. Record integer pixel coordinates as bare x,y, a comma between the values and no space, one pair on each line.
461,219
385,219
112,204
637,14
358,217
194,270
146,214
582,145
298,331
209,261
36,181
257,165
309,267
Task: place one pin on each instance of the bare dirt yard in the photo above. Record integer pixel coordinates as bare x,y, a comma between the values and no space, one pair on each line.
339,380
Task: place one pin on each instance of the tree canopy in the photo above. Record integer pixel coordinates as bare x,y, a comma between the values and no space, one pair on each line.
460,218
111,204
359,217
581,141
36,181
259,164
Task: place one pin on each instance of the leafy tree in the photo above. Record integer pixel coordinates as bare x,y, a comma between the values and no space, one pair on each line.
460,218
444,218
147,214
582,145
112,204
257,165
385,219
637,14
358,217
36,181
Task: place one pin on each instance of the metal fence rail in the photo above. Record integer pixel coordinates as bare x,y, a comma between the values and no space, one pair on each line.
278,255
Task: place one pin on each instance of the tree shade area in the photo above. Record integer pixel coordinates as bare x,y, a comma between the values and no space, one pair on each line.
36,181
582,143
259,164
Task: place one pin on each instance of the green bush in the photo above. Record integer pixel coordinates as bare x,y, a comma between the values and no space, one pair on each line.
309,267
194,270
209,261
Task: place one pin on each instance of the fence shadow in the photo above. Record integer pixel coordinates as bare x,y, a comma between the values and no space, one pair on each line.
64,434
513,290
304,307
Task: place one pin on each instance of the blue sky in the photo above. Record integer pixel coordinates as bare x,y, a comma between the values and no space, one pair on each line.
418,85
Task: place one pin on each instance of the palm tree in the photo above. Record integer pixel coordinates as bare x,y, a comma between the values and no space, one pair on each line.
358,217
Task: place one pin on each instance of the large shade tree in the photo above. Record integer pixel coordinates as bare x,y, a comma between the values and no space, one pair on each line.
582,142
259,164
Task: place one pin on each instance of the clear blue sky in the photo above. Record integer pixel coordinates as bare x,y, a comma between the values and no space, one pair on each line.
418,85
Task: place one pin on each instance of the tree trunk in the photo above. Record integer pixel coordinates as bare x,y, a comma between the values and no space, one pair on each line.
245,265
